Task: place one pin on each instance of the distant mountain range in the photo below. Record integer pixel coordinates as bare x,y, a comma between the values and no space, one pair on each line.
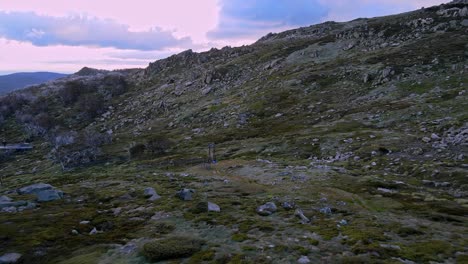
20,80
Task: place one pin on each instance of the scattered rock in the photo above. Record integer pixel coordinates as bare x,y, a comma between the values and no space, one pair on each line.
75,232
288,205
436,184
212,207
116,211
185,194
206,91
10,258
343,222
128,248
299,213
392,247
426,139
93,232
303,260
267,209
385,190
326,210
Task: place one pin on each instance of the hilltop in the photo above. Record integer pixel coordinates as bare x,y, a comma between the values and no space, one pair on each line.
334,143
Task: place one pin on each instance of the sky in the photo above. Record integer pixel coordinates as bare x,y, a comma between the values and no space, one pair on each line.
64,36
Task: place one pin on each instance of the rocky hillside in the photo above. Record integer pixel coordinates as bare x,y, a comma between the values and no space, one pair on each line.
334,143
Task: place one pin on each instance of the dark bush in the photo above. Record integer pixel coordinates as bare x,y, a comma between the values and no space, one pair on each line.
137,150
44,120
71,92
172,247
158,145
40,105
93,138
13,102
70,157
113,85
91,105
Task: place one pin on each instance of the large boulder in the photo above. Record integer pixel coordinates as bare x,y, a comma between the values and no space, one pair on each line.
4,198
212,207
10,258
151,194
35,188
267,209
49,195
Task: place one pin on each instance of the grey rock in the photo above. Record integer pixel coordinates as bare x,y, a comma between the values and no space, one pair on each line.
185,194
75,232
303,260
154,198
212,207
49,195
4,198
206,91
343,222
463,12
13,204
385,190
128,248
35,188
28,206
10,209
152,194
116,211
464,23
392,247
326,210
299,213
10,258
436,184
267,209
288,205
93,232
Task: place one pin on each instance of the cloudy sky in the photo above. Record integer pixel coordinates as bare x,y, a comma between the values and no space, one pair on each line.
64,36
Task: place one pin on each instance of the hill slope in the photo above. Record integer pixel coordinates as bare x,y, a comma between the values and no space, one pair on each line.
20,80
357,131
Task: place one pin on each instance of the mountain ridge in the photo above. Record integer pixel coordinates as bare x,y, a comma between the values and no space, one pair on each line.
19,80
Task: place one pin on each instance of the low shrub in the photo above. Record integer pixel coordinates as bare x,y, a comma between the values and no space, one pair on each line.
172,247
